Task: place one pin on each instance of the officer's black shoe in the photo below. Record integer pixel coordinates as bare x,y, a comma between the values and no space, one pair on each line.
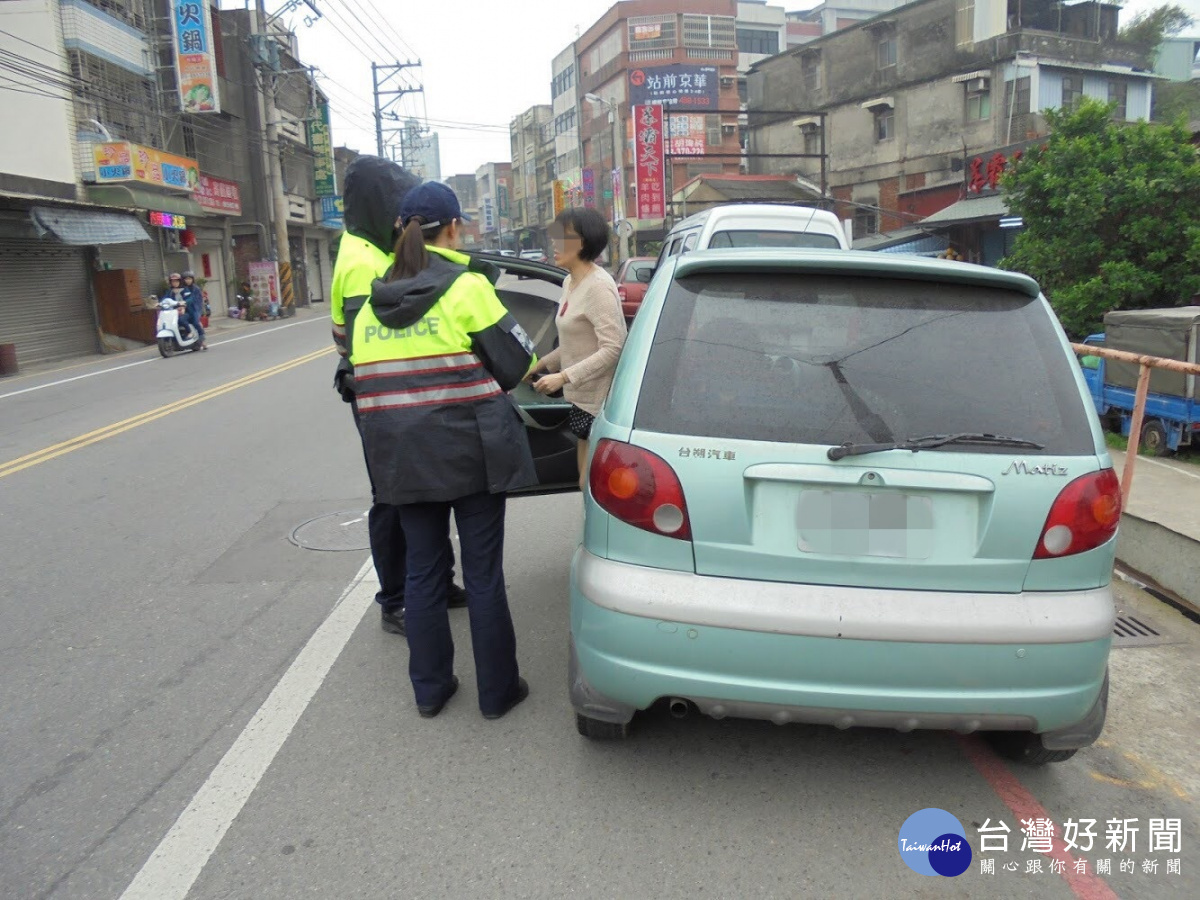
456,597
392,623
428,712
522,693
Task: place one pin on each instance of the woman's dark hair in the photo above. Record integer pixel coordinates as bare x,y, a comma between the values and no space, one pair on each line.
591,228
410,252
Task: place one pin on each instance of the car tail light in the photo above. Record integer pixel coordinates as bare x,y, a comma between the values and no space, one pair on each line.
640,489
621,291
1084,516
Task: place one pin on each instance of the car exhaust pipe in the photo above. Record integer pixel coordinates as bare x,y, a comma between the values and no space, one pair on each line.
679,708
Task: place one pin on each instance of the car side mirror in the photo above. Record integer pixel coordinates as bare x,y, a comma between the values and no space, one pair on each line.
644,275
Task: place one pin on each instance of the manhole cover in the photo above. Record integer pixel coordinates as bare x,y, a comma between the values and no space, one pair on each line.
337,531
1138,631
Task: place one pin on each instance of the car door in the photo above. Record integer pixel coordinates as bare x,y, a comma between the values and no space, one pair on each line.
530,291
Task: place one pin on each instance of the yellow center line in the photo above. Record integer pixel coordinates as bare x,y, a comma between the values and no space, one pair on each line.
92,437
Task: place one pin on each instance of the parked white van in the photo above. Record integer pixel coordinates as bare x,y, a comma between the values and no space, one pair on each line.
757,225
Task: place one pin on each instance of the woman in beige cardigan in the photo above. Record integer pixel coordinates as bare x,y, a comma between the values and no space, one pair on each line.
591,327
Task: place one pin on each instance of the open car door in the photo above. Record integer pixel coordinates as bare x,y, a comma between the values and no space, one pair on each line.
531,291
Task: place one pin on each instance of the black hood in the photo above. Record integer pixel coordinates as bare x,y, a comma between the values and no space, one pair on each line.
371,196
399,304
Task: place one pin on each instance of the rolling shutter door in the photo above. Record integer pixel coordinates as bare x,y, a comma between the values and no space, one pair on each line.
141,256
45,308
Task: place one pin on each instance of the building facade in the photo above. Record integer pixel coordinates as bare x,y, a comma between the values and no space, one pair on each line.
532,140
493,190
139,166
948,92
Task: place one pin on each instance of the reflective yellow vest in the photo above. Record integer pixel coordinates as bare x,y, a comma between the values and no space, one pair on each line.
359,262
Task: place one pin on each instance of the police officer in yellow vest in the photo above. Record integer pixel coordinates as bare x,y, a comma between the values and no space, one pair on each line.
372,194
434,355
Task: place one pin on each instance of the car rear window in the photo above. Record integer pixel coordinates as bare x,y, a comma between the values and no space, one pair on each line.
792,240
817,359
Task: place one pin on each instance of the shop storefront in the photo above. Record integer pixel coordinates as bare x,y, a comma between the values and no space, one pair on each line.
210,239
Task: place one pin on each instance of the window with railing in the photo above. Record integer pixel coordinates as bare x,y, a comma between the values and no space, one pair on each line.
964,23
652,33
712,32
866,221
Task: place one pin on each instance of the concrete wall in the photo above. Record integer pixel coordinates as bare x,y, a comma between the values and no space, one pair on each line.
32,156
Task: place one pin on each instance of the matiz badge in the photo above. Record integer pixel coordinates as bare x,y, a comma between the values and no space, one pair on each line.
1021,467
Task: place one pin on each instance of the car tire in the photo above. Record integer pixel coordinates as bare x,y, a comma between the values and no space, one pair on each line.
1026,747
601,731
1154,439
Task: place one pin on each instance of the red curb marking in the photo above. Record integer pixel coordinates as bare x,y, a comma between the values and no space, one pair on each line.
1025,806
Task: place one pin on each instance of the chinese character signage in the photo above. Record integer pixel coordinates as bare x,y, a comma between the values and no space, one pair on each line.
692,87
560,197
118,161
649,162
195,61
687,135
983,175
333,212
589,188
168,220
489,215
651,32
219,196
321,144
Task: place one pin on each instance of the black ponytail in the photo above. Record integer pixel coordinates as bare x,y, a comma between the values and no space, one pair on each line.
411,255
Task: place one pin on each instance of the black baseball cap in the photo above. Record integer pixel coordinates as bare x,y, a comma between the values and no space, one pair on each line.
434,202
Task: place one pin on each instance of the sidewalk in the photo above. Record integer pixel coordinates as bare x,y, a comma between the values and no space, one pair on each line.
1160,528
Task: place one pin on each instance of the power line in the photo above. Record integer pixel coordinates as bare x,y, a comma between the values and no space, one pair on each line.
395,34
372,34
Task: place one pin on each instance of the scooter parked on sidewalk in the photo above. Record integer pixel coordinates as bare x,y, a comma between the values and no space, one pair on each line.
171,340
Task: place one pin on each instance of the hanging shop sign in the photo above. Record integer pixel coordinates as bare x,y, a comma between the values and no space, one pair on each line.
589,188
692,87
195,61
560,196
118,161
219,196
321,144
333,212
168,220
649,162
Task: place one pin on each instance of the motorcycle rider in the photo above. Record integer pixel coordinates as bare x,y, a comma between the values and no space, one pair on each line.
174,292
373,191
193,296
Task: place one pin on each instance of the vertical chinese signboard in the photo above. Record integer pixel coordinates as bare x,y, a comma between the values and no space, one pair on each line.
560,196
589,188
195,61
649,162
321,144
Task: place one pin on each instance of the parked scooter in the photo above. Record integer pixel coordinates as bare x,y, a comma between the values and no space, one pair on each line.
170,339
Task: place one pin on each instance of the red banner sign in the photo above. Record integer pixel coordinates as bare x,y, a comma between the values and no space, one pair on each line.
219,196
649,161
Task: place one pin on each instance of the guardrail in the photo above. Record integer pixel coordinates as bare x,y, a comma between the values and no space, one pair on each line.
1146,363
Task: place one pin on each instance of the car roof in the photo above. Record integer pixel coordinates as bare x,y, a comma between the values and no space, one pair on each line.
860,263
752,210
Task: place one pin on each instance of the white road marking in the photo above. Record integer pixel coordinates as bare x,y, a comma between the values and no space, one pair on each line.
143,362
178,860
1179,470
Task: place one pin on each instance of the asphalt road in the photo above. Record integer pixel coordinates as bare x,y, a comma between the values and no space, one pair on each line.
194,706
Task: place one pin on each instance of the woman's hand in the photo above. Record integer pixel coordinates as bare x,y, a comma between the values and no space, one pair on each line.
550,384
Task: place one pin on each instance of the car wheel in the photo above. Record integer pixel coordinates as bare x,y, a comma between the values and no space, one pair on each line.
600,731
1154,439
1026,747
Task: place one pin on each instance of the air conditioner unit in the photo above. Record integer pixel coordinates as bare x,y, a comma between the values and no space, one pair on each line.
976,85
728,127
726,81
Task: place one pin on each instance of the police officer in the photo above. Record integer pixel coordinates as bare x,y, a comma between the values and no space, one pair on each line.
434,353
372,193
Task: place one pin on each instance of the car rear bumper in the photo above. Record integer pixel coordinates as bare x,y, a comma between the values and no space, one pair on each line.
801,653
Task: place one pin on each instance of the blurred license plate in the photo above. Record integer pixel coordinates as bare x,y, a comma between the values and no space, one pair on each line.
856,523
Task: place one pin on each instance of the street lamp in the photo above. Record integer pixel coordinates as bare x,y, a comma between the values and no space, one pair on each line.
618,157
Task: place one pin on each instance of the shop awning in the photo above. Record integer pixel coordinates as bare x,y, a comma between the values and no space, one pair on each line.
139,198
973,209
85,227
903,240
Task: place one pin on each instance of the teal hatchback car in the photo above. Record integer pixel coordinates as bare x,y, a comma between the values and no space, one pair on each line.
851,489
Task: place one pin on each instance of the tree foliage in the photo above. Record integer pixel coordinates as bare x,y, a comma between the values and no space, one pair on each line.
1175,99
1112,215
1146,30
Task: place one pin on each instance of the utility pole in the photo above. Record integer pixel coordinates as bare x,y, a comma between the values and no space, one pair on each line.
389,89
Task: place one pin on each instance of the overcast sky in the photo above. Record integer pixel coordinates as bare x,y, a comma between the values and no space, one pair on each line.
483,62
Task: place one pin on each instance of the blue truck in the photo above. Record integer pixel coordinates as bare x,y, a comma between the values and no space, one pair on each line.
1172,418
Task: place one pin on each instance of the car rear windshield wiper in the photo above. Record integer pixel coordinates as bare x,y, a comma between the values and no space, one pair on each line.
932,441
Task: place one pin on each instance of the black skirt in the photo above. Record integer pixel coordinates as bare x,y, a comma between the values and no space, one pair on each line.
580,422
